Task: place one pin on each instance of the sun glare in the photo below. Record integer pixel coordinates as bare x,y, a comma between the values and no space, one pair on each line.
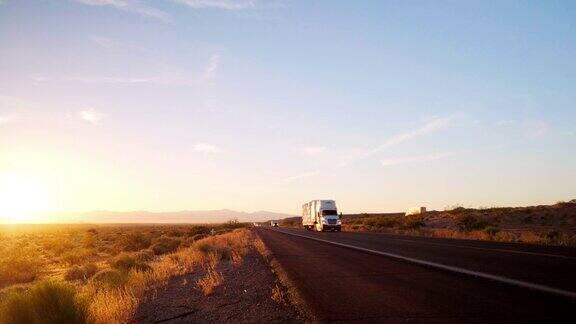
21,198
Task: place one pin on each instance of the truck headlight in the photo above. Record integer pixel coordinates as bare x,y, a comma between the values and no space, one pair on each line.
339,222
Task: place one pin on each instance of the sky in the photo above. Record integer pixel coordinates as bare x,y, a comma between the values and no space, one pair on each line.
264,105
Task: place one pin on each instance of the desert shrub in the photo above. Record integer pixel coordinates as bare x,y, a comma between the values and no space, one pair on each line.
381,222
210,281
204,246
549,236
456,209
20,264
15,308
469,223
136,241
49,302
127,262
110,278
165,245
176,233
198,237
81,272
278,295
58,245
412,222
198,230
76,256
89,240
491,230
144,255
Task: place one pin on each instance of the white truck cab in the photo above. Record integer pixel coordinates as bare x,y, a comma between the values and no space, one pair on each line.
321,215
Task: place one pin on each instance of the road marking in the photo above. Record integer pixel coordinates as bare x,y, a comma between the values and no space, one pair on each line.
518,283
480,248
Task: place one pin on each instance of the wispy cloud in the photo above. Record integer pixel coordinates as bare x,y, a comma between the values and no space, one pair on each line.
428,128
504,123
312,150
569,133
206,148
105,42
300,176
116,80
131,6
416,159
536,128
218,4
90,115
211,69
121,80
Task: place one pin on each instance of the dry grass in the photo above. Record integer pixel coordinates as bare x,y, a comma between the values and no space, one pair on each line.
278,295
126,278
554,224
121,303
211,280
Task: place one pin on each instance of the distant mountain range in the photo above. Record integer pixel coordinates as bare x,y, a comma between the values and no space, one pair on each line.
189,216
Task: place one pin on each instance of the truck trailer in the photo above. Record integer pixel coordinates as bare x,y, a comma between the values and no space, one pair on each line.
321,215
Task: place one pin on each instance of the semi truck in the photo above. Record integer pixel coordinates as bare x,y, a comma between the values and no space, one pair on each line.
321,215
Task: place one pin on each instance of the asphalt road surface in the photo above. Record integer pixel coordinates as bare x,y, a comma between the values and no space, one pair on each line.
368,277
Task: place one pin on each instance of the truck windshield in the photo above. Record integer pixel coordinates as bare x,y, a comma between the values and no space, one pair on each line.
329,212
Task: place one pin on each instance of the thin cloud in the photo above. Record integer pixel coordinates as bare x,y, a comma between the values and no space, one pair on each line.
504,123
105,42
300,176
569,133
312,150
117,80
206,148
232,5
211,69
430,127
416,159
90,115
131,6
536,128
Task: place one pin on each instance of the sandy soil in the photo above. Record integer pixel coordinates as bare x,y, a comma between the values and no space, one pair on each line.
245,296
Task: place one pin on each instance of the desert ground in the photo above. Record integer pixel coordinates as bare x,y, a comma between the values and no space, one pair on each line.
136,273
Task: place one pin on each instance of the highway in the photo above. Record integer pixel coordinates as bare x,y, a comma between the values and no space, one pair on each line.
369,277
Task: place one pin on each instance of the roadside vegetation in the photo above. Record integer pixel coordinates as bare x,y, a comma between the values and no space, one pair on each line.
100,274
553,225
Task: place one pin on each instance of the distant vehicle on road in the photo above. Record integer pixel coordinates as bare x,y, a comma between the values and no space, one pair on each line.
321,215
274,223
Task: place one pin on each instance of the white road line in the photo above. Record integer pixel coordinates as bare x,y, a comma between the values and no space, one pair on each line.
519,283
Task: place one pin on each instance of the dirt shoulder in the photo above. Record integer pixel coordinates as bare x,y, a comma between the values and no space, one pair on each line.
245,295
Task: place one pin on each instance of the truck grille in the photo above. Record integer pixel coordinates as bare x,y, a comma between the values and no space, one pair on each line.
332,221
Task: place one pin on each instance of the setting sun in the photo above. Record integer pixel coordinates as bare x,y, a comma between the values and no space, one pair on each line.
22,196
